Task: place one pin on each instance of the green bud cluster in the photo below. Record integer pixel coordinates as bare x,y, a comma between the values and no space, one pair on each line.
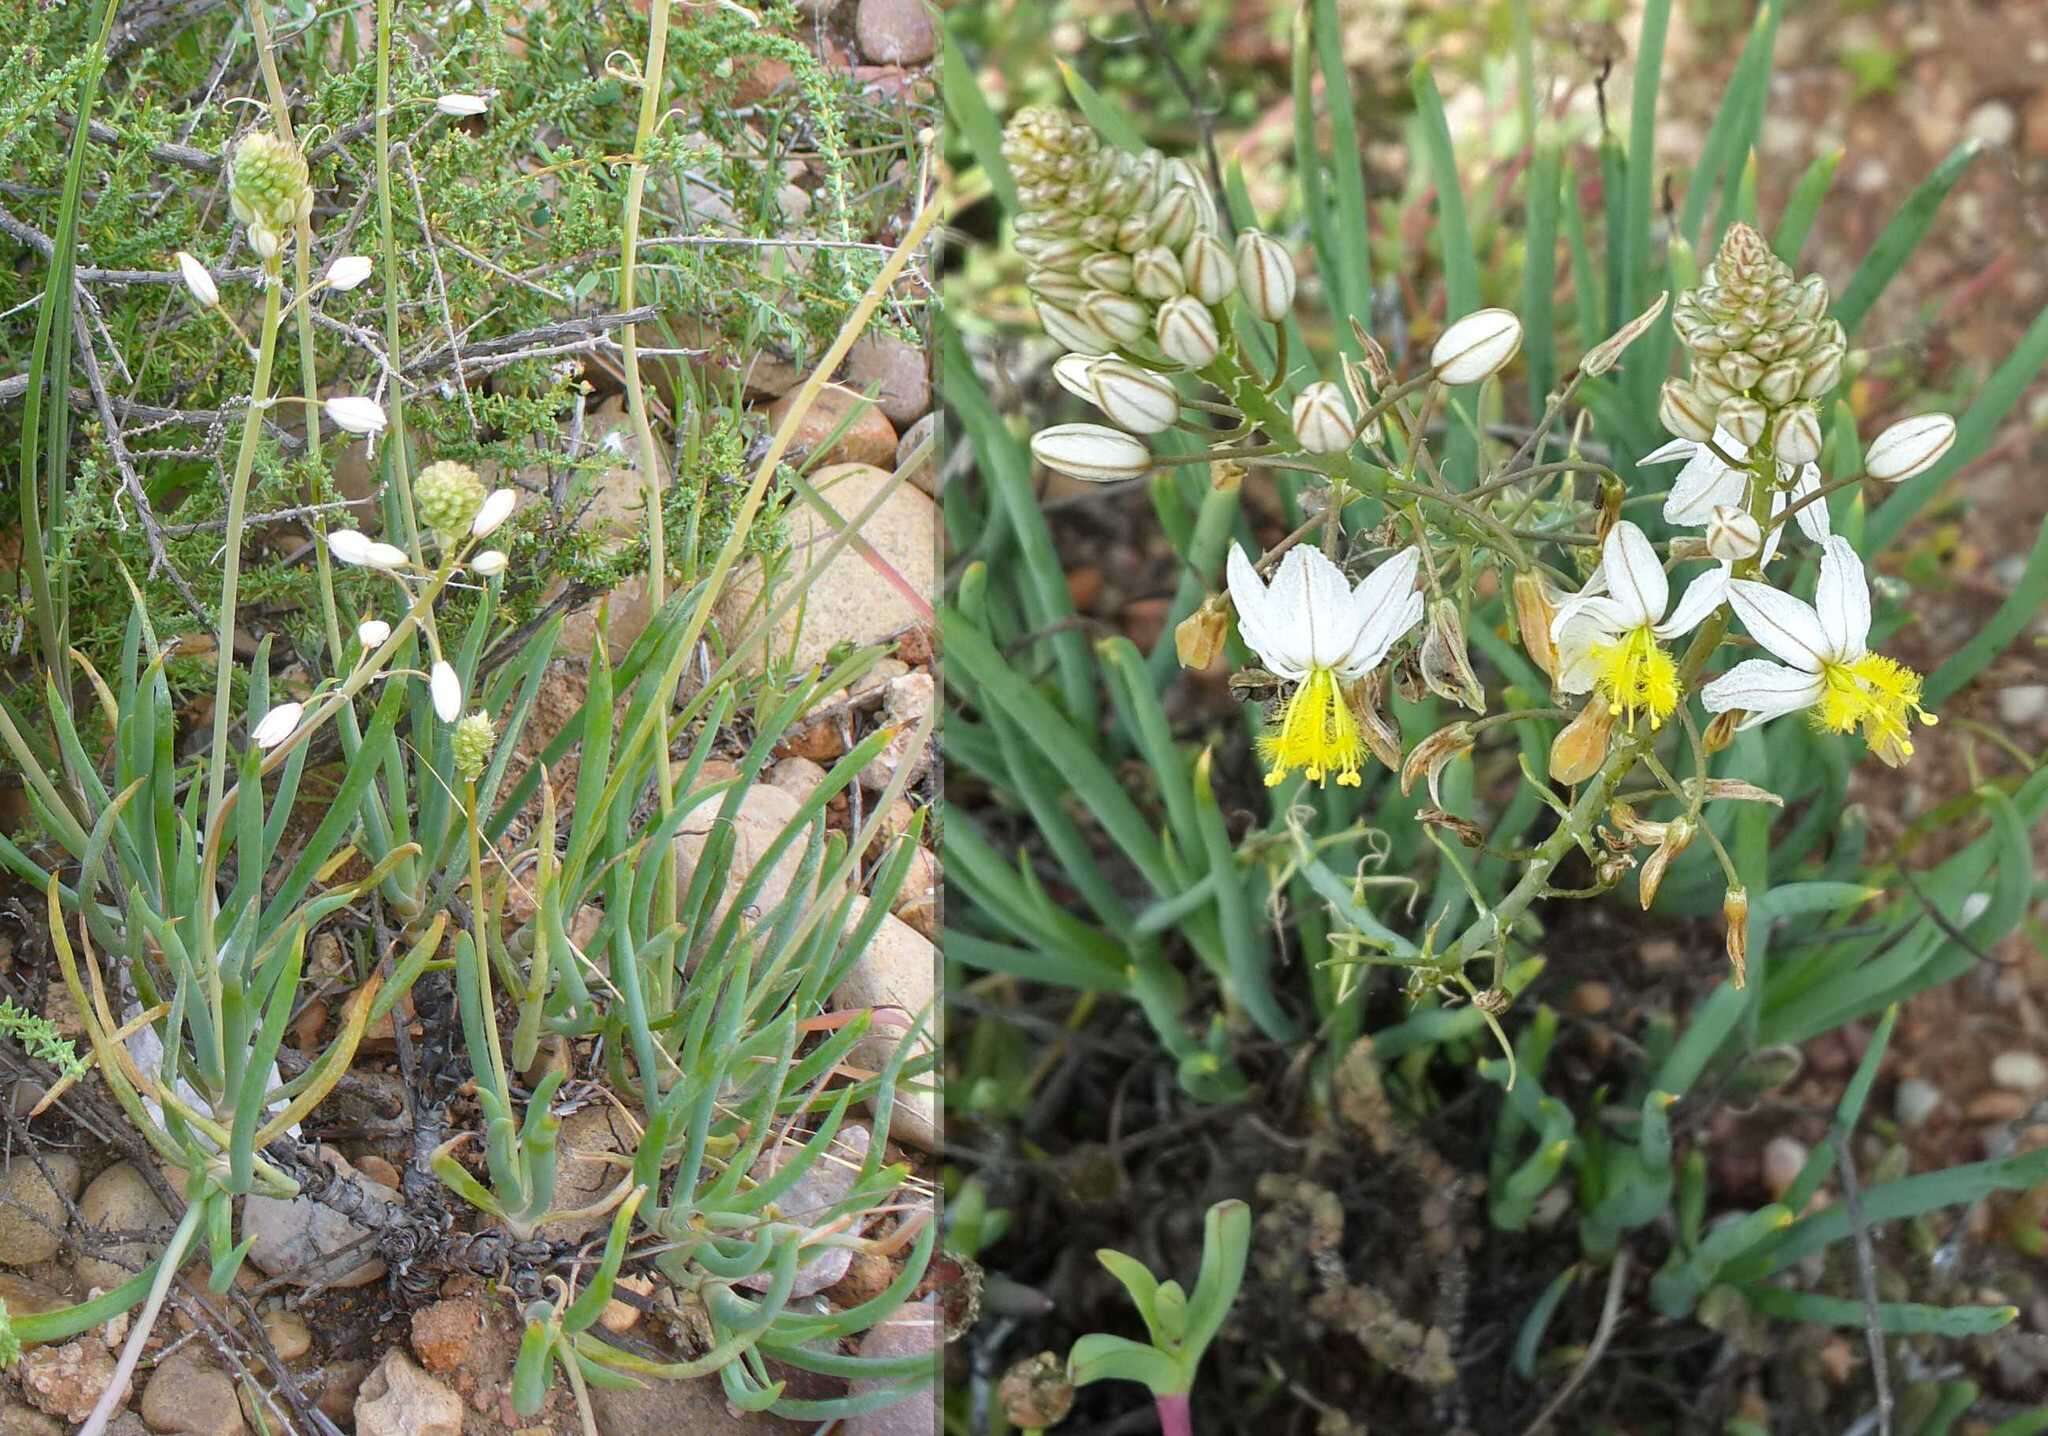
1760,339
268,189
448,495
472,743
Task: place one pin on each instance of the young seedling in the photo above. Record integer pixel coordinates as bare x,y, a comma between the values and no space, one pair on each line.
1181,1326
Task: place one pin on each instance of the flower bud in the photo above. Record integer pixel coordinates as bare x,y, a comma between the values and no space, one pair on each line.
1476,347
1581,745
1673,838
448,496
1735,912
267,186
472,743
1173,221
1909,447
1780,383
1187,332
1795,435
1207,269
1070,372
1198,638
198,281
1745,420
461,106
348,271
1682,413
1733,534
1055,287
1535,610
372,632
488,564
355,414
1071,331
265,241
277,725
1823,370
1133,398
1156,273
1107,271
350,547
1265,272
1119,316
446,690
497,507
1322,422
1092,452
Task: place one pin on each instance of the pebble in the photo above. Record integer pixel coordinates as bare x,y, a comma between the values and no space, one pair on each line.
1784,1159
905,703
911,1331
810,1202
926,474
1994,123
899,373
444,1334
1915,1102
917,901
1590,999
797,776
763,813
1996,1107
896,32
399,1399
585,1171
2019,1071
869,437
18,1418
119,1199
307,1244
2023,705
288,1334
32,1211
619,1316
67,1380
188,1395
897,977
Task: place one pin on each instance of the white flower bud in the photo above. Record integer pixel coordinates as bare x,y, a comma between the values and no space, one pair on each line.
1073,332
1745,419
497,507
1107,271
1909,447
266,242
488,564
277,725
1187,332
1732,533
1133,398
198,280
350,547
1156,273
1682,413
1207,269
1092,452
462,106
1795,435
372,632
348,271
1322,422
446,689
1780,383
355,414
1476,347
1265,272
1119,316
1173,220
1070,372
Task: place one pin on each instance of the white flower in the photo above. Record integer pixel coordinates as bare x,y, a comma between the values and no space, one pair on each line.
198,280
350,547
1911,446
277,725
461,106
372,632
1312,628
497,507
1828,665
1609,634
1476,347
1706,484
355,414
1093,452
446,689
488,564
348,271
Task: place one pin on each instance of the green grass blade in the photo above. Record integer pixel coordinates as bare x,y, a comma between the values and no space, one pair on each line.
1901,237
1539,273
974,121
1899,1318
1804,204
1461,262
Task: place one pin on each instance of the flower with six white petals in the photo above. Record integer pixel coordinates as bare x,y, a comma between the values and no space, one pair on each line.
1706,483
1610,635
1312,628
1827,663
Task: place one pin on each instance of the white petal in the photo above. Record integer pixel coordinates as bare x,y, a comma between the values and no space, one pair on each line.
1781,623
385,556
1813,520
277,725
447,691
1332,625
349,546
1575,644
1842,598
1382,609
1634,575
1594,613
1670,452
1762,689
1701,597
1255,616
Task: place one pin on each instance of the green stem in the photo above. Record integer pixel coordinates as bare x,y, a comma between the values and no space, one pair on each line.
116,1394
387,245
238,505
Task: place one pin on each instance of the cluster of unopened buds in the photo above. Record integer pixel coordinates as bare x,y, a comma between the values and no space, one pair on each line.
1131,275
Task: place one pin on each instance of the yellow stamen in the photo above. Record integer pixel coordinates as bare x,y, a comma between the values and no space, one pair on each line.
1635,675
1317,734
1880,694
